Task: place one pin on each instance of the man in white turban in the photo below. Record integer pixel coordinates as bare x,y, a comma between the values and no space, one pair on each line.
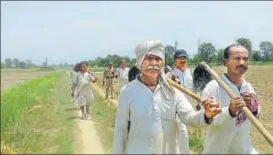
147,108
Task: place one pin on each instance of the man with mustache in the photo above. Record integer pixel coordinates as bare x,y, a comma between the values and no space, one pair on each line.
184,74
147,108
230,132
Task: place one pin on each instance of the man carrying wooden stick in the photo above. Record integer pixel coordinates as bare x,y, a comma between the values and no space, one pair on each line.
85,94
230,130
148,106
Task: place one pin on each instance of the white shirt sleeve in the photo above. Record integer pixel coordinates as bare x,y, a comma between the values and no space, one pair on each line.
187,114
211,91
121,124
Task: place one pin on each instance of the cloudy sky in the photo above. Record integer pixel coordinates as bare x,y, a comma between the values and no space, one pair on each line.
72,31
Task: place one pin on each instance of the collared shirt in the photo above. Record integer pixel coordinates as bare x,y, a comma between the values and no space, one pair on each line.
152,117
185,77
223,136
123,76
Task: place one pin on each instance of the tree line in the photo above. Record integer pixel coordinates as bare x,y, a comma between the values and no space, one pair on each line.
205,52
21,64
16,63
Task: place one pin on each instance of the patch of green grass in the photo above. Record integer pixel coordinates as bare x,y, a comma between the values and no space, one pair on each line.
35,116
103,114
196,143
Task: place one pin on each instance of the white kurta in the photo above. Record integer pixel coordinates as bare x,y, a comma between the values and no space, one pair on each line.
186,80
123,76
83,88
152,119
223,137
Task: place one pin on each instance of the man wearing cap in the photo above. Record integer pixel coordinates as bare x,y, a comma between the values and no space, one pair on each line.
147,108
108,80
122,73
184,75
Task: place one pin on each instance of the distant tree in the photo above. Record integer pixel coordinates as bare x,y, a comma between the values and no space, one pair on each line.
257,56
196,59
220,56
8,63
22,64
266,49
206,52
169,52
29,64
16,63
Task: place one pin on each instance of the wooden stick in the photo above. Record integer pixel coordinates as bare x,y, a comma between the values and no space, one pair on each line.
245,110
185,90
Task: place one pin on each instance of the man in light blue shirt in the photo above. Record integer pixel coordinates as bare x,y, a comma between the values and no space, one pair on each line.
185,79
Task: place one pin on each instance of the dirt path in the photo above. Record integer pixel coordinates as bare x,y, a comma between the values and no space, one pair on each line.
87,139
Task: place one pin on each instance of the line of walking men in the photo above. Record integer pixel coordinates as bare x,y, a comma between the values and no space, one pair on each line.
81,90
152,116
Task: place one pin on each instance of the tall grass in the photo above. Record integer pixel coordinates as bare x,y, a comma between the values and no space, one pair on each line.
21,97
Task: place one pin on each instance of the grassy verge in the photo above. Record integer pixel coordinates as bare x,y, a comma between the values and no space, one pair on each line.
103,114
33,116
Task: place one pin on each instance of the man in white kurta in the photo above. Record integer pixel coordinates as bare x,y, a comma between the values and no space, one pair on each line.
84,90
184,75
230,134
122,73
73,76
146,116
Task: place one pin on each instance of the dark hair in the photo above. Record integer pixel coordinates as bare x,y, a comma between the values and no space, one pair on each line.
83,62
226,51
76,67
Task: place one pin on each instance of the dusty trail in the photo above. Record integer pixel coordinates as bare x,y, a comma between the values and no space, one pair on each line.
87,139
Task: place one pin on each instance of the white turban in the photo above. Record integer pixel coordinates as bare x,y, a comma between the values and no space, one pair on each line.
153,47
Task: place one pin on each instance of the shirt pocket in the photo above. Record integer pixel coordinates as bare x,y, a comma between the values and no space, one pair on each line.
168,110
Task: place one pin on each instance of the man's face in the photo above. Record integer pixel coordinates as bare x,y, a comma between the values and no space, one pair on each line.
83,67
180,62
123,63
150,68
237,63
